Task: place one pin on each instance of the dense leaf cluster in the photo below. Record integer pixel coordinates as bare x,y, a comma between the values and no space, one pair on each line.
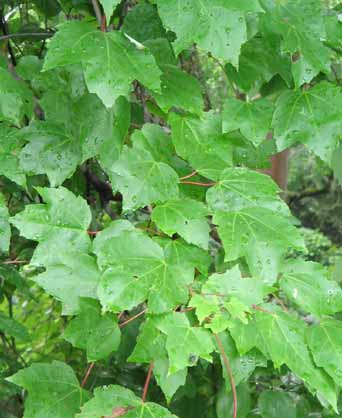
196,239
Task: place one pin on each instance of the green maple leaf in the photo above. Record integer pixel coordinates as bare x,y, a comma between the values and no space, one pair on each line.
276,405
325,342
231,293
54,391
242,366
260,60
239,228
111,401
143,23
75,275
16,99
151,347
141,179
5,229
109,7
156,141
264,260
201,142
13,328
10,146
239,188
107,153
306,285
28,67
215,26
136,268
59,225
169,384
184,344
98,334
310,117
302,27
51,151
93,130
252,118
244,335
281,338
180,90
143,173
231,284
183,254
110,61
186,217
333,30
151,343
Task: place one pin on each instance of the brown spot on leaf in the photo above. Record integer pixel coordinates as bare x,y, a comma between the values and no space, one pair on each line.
118,412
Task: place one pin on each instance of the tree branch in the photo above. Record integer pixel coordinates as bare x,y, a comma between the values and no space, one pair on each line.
42,35
132,318
189,175
147,382
97,11
89,369
4,28
196,183
229,372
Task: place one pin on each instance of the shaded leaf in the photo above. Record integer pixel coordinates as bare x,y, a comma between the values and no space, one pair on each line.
252,118
10,146
302,28
276,405
5,230
169,384
98,334
13,328
59,225
115,401
311,117
186,217
73,276
141,179
260,60
16,100
51,151
201,143
143,23
184,344
54,391
179,90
